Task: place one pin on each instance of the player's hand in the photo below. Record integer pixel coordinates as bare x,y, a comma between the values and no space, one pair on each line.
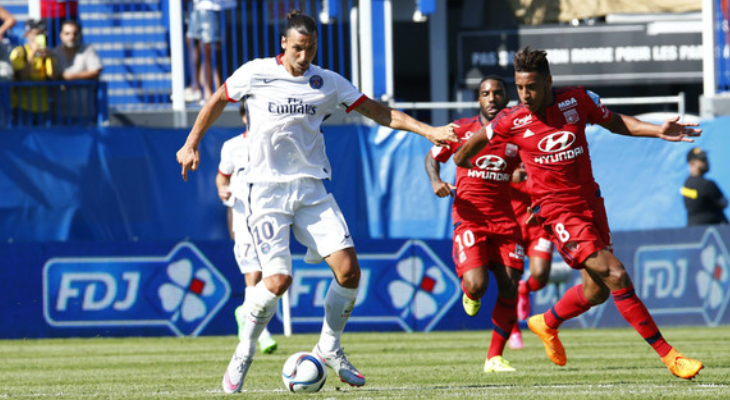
443,189
188,157
443,134
224,192
674,131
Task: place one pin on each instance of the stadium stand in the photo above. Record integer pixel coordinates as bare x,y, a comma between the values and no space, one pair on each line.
130,36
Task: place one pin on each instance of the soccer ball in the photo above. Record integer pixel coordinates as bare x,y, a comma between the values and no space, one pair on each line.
304,372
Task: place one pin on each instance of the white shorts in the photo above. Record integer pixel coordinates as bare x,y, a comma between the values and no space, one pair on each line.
306,207
245,253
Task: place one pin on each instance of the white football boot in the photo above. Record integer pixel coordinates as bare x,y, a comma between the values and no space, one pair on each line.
341,365
235,374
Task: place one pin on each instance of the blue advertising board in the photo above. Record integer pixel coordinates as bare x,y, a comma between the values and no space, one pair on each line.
681,275
188,288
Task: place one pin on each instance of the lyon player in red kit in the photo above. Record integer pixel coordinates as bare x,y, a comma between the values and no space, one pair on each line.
538,249
486,236
549,129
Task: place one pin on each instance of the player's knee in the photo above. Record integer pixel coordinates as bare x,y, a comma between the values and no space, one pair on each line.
278,283
476,287
349,278
618,278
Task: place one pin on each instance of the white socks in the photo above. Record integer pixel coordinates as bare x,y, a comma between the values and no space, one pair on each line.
338,305
246,304
260,308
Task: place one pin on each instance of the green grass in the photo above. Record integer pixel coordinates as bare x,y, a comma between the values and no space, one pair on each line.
602,364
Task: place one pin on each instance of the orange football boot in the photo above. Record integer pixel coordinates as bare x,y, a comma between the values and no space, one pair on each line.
681,366
549,336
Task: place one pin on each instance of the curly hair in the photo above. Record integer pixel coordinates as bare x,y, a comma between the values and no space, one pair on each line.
529,60
302,23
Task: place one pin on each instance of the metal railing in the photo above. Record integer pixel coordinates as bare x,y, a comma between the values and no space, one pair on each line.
253,30
53,103
679,100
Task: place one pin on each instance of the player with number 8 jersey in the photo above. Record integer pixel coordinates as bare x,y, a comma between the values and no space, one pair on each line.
554,150
549,128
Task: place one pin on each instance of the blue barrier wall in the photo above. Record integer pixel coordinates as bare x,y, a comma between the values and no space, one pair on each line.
85,211
124,184
191,288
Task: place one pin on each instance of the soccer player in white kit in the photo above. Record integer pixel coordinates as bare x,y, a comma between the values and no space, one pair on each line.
233,192
287,99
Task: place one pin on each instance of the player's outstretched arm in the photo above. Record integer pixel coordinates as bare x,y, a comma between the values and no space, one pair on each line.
671,130
433,170
395,119
188,156
470,148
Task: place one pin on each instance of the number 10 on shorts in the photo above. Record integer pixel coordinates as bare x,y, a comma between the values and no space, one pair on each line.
466,239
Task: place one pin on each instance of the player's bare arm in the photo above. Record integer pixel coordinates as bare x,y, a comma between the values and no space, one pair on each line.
470,148
433,169
671,130
188,156
395,119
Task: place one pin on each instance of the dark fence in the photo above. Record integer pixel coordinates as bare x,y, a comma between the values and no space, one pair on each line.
67,103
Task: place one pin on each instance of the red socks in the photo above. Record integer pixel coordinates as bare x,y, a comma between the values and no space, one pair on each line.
534,285
635,313
504,317
572,304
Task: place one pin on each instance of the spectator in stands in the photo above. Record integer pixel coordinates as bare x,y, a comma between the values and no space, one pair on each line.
702,197
55,11
8,21
204,28
32,62
76,61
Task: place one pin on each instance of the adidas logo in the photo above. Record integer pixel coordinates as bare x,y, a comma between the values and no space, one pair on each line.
528,133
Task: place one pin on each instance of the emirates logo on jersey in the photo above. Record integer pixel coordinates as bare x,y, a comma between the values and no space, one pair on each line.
557,141
491,162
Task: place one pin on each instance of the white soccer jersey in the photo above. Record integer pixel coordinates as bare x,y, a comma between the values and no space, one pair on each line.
234,159
284,115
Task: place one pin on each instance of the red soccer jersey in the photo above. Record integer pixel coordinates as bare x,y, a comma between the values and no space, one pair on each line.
482,192
520,199
554,148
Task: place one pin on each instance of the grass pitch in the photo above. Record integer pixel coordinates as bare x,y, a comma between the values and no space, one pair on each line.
602,364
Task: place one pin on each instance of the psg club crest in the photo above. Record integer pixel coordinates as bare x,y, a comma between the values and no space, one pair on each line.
316,82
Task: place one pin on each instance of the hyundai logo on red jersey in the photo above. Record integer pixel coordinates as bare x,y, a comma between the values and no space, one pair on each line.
557,141
491,162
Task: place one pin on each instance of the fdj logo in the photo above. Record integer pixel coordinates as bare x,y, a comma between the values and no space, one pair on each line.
686,278
412,289
181,290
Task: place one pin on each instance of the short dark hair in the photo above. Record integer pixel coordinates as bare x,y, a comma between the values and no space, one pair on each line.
529,60
71,22
488,78
494,78
302,23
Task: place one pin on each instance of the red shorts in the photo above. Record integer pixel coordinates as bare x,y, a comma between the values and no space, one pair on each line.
578,229
540,247
475,246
